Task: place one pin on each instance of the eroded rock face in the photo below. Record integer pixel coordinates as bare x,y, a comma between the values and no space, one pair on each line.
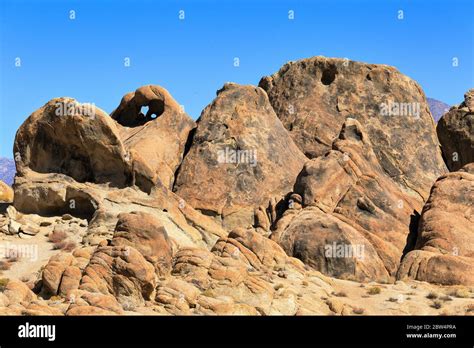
77,140
355,219
121,271
312,97
6,193
239,276
148,235
456,133
74,159
156,139
241,157
62,147
350,211
444,251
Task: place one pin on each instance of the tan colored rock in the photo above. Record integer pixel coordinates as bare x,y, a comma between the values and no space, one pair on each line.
240,158
70,280
120,271
91,303
444,250
6,193
18,292
50,188
74,139
41,309
356,219
88,310
53,272
145,233
156,140
257,250
456,133
239,276
313,97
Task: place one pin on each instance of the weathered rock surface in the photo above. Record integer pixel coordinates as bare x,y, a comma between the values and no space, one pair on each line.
240,158
122,272
117,234
312,97
456,133
81,162
147,234
77,140
349,202
156,140
444,251
6,193
246,273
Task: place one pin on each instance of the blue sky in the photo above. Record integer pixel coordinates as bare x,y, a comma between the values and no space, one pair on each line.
192,58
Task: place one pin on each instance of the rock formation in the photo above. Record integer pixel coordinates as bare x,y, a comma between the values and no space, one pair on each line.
6,193
349,203
156,147
456,133
73,139
241,157
312,97
444,250
149,212
88,169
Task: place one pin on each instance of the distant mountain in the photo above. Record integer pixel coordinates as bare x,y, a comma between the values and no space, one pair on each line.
437,108
7,170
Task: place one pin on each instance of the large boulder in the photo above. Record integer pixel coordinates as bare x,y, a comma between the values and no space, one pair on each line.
156,139
53,274
147,234
444,250
240,158
121,271
6,193
312,97
355,219
77,140
74,158
456,133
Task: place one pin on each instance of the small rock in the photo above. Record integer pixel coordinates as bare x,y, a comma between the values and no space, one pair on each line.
67,217
29,229
14,227
24,235
11,212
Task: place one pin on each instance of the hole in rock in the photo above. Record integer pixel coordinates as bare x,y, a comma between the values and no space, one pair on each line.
144,110
329,75
80,204
152,110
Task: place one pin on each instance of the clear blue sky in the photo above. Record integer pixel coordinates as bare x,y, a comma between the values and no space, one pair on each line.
192,58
